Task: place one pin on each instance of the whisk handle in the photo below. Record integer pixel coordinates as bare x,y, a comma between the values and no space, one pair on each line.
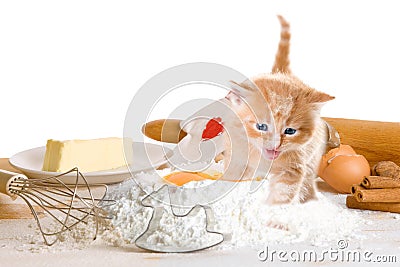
6,178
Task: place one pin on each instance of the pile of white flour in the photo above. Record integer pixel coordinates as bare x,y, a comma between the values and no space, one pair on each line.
243,218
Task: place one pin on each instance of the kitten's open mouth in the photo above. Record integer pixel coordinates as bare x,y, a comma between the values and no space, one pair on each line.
270,154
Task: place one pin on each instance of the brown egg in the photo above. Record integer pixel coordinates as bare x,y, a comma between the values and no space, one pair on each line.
341,167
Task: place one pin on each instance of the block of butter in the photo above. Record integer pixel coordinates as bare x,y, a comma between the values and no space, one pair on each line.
88,155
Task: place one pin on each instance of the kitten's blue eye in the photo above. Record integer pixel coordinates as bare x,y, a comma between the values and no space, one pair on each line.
290,131
262,127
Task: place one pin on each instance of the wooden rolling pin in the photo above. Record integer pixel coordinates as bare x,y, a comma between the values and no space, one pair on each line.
375,140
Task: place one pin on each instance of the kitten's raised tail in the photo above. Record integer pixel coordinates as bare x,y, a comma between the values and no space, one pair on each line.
282,56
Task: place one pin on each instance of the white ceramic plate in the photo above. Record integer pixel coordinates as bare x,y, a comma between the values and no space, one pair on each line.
146,156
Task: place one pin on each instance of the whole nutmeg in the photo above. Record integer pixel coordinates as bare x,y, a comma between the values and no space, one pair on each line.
342,167
387,169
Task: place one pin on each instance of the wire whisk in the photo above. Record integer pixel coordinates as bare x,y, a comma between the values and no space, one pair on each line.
65,204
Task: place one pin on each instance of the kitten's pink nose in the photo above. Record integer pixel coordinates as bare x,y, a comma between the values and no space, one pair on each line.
273,145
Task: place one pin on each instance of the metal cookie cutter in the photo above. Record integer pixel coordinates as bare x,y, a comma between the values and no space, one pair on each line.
163,195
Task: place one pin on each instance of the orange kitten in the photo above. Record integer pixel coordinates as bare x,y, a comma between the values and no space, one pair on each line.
299,138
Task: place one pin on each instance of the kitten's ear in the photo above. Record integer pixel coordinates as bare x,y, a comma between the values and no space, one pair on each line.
237,93
320,97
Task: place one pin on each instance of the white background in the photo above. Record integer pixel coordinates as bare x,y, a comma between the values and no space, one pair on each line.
69,69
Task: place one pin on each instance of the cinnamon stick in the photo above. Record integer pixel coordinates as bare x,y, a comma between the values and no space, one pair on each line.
377,195
356,187
352,203
380,182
